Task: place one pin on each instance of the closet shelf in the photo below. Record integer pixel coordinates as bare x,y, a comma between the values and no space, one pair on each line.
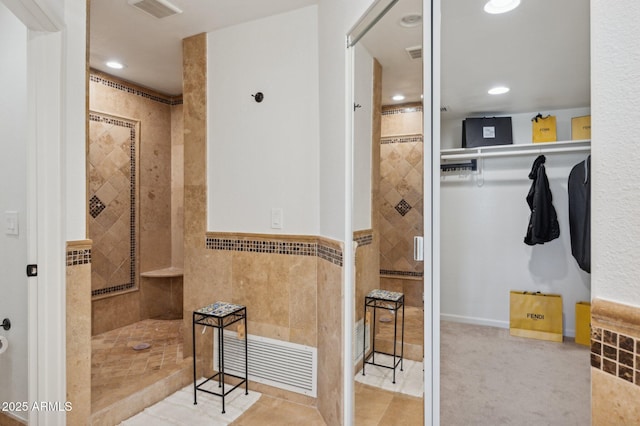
518,149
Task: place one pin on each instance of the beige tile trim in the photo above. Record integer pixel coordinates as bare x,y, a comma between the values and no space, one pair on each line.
79,245
616,315
401,109
109,80
363,237
263,237
615,340
296,245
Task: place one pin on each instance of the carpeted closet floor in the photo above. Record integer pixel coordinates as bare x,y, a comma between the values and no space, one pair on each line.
491,378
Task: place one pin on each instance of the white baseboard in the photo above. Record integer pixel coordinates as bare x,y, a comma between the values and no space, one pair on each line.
487,322
474,320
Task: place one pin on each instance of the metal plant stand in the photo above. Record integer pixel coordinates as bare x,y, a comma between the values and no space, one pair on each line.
220,315
390,301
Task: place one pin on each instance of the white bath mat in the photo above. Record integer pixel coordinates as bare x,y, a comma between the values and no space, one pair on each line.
178,409
410,381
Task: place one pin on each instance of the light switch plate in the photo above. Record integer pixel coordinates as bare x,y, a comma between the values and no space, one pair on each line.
11,223
276,218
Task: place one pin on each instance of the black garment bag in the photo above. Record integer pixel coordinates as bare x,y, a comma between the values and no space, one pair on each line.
543,222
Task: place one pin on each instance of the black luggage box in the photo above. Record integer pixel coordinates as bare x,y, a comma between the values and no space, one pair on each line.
486,131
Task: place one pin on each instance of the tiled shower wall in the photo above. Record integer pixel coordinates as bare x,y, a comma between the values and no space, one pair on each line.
112,203
151,117
401,200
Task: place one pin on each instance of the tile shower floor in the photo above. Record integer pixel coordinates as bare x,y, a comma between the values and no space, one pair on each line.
118,370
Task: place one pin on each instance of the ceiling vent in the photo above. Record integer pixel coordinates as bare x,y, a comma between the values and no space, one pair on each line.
414,52
156,8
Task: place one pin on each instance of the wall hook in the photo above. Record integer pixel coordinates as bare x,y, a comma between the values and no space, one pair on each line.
6,324
356,106
258,97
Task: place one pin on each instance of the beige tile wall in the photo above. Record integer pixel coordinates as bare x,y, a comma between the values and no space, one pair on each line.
112,181
78,331
330,363
177,186
159,197
367,268
615,363
206,272
401,200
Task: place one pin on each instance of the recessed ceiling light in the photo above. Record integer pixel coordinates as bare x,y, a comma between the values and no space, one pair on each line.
500,6
398,98
411,20
500,90
115,65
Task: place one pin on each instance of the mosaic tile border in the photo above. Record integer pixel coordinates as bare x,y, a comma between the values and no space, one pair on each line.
78,257
401,139
102,118
401,273
113,289
616,354
401,109
289,248
330,254
363,240
257,246
122,86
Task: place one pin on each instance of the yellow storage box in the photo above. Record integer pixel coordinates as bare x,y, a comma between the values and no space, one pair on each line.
583,323
581,128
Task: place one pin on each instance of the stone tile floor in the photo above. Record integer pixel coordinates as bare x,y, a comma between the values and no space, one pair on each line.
117,370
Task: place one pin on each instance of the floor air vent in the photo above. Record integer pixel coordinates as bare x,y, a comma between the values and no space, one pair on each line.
276,363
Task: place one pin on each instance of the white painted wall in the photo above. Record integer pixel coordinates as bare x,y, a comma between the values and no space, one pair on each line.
483,255
335,19
363,130
615,91
264,155
75,116
13,164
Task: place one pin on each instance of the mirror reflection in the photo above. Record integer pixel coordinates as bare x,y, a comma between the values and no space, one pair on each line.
387,214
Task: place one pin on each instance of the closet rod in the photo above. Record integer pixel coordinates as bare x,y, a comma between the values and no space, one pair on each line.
480,154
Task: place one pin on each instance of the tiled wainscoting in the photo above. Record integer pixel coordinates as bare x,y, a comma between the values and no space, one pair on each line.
615,363
78,330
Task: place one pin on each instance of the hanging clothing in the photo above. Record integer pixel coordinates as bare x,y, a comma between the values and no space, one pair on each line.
579,188
543,222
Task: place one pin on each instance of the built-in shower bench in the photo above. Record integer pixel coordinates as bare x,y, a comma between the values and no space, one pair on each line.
170,272
161,291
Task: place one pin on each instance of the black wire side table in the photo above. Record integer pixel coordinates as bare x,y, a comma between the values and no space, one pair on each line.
390,301
220,315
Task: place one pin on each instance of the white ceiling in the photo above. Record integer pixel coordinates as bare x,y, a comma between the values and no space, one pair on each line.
540,50
151,48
